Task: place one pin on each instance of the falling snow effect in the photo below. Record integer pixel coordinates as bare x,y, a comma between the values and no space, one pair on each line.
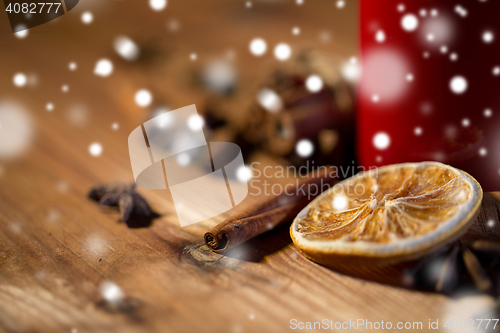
488,37
458,84
380,36
460,10
258,47
16,130
282,51
244,174
314,83
157,5
304,148
95,149
270,100
111,292
441,87
143,98
409,22
195,123
126,48
351,70
87,17
220,76
183,159
22,33
173,25
384,75
103,68
381,141
340,202
20,80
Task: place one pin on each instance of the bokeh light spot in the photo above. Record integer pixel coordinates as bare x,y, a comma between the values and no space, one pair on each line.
409,22
458,84
304,148
282,51
87,17
95,149
314,83
381,140
258,47
143,98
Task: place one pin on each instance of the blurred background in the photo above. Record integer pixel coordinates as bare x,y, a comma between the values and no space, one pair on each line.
280,78
85,80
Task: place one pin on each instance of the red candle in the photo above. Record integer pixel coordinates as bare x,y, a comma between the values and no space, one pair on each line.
430,88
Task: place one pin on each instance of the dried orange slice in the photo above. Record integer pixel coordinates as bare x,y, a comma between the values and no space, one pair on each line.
387,215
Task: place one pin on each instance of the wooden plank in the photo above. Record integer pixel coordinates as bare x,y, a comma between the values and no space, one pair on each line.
57,247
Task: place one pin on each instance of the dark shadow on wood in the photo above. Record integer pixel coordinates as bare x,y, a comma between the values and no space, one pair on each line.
400,275
255,249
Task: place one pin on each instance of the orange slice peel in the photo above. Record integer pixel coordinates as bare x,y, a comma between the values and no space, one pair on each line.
388,215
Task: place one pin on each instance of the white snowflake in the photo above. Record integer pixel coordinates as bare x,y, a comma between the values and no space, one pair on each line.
460,10
381,140
380,36
488,37
95,149
458,84
409,22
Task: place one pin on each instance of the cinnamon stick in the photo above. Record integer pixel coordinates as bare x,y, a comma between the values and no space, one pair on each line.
265,215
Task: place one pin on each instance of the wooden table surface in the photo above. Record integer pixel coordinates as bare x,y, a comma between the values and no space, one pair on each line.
57,248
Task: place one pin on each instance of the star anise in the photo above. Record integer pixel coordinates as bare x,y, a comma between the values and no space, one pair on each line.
475,261
134,209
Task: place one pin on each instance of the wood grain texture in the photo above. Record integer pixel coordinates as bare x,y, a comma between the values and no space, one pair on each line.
57,247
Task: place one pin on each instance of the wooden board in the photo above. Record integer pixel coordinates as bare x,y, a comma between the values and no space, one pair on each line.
57,247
